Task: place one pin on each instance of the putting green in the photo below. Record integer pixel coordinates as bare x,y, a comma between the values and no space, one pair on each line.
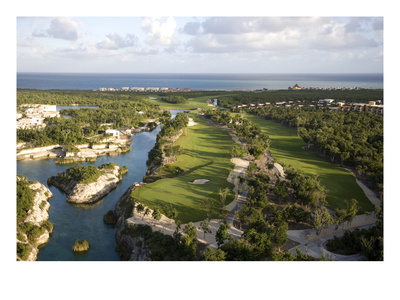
286,148
205,156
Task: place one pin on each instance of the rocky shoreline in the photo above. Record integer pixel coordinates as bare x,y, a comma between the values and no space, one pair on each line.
87,193
84,152
37,216
129,247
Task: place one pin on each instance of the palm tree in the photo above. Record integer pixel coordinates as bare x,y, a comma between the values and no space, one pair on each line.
205,226
223,193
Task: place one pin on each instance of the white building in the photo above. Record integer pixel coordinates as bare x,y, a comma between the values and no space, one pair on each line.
137,89
112,132
29,123
51,114
48,107
326,100
152,89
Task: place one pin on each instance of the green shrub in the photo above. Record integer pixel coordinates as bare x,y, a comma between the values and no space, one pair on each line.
32,231
64,161
84,174
42,204
129,210
23,250
107,166
24,199
174,99
238,151
110,218
80,246
21,237
47,225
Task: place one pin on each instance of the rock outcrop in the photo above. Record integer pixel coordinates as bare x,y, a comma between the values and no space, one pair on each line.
79,192
129,246
35,229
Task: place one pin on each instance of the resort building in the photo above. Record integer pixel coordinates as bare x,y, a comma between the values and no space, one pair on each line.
137,89
361,107
30,123
33,115
295,87
326,101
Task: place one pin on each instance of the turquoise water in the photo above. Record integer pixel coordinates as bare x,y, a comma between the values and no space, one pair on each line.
71,221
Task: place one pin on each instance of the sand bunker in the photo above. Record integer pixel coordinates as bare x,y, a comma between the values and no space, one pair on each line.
191,122
199,181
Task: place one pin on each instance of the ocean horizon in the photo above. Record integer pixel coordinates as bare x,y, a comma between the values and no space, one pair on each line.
198,81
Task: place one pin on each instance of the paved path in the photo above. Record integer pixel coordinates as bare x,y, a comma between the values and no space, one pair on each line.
312,244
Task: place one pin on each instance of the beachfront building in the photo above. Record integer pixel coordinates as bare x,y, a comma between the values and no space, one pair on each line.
137,89
152,89
103,89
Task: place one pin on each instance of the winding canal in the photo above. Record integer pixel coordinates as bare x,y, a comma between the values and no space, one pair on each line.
71,221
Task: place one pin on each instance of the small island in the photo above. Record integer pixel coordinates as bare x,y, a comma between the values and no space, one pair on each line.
80,246
88,184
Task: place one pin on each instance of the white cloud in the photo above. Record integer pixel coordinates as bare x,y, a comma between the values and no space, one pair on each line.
192,28
217,44
340,36
26,42
115,41
60,28
159,32
239,34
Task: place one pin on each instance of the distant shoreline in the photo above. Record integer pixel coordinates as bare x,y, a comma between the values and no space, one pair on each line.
198,81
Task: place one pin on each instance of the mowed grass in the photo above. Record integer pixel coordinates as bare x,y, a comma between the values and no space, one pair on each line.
205,156
198,102
286,148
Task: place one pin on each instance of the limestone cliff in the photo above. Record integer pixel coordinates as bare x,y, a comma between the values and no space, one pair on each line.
34,229
129,246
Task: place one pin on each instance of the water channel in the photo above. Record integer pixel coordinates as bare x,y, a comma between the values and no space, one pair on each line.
71,221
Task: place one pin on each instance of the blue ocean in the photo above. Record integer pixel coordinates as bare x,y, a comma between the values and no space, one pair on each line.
92,81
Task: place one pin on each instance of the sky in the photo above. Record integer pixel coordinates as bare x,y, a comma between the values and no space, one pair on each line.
200,44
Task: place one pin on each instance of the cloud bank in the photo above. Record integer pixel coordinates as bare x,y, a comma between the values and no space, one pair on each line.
259,44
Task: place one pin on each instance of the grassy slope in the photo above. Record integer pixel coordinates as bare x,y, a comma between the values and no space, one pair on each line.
286,149
206,156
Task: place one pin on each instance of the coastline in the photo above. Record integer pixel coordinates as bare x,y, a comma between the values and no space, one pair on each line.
198,81
36,217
